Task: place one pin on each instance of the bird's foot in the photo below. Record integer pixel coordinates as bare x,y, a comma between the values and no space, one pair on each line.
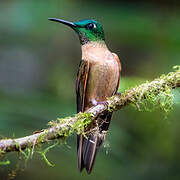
95,103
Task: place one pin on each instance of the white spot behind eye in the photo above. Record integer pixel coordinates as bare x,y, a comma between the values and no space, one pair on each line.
94,25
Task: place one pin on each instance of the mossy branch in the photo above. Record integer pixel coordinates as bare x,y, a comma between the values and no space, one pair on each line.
157,92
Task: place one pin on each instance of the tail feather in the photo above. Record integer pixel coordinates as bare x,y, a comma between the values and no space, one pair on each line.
89,146
79,151
89,155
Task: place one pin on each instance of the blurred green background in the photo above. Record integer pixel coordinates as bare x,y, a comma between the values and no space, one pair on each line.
38,65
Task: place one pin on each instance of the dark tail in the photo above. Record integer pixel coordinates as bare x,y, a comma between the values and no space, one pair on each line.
88,146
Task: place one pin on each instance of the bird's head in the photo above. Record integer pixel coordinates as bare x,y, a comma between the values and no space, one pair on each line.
88,30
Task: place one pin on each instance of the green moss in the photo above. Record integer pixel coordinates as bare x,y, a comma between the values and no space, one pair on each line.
177,68
42,137
1,153
2,163
7,162
83,119
157,94
45,151
150,100
26,153
17,145
112,106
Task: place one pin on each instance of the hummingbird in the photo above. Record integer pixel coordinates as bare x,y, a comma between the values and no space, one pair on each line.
97,79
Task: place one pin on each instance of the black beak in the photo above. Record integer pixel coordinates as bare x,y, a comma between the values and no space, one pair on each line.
68,23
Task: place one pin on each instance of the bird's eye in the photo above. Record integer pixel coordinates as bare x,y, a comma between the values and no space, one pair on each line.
90,26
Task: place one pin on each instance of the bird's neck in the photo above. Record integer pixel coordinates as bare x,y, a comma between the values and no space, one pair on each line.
93,47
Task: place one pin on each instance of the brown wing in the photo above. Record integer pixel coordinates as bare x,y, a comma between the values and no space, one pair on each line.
119,64
81,83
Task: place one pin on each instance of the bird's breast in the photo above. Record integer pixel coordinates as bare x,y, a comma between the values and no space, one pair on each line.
102,79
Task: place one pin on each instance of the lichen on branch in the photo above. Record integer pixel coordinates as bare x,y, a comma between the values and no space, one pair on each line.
147,96
150,95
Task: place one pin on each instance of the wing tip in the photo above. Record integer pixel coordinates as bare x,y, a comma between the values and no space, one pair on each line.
79,149
90,152
89,171
81,167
